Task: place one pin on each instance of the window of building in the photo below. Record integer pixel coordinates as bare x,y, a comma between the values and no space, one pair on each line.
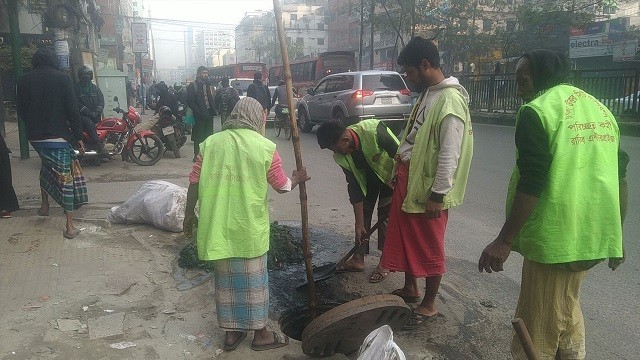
300,41
486,25
320,26
320,41
294,17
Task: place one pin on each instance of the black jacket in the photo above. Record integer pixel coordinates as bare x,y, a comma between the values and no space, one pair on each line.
46,100
195,101
260,92
90,101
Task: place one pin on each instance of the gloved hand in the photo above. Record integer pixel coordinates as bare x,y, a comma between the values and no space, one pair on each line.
85,111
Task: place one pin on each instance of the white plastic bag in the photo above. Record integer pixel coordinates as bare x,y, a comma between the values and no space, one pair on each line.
379,345
158,203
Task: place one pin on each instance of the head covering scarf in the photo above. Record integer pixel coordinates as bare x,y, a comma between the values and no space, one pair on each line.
549,68
44,57
247,114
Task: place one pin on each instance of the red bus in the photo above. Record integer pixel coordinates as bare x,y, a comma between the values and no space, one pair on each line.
305,73
237,71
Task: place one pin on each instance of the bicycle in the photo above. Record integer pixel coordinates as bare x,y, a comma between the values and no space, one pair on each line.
281,122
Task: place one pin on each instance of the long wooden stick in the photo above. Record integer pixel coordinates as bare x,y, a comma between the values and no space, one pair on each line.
525,339
295,137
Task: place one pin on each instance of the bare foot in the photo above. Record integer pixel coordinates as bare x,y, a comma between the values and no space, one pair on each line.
426,311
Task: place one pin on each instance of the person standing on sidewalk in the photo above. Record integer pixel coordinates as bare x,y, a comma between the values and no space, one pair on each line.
200,100
225,99
432,167
260,92
8,199
46,101
566,203
365,153
230,178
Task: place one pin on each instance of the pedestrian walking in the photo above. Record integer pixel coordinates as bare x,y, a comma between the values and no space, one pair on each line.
200,100
225,99
230,179
365,153
260,92
432,167
8,199
46,101
566,202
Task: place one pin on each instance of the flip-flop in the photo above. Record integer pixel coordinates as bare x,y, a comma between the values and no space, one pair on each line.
416,320
408,299
277,343
71,235
231,347
378,275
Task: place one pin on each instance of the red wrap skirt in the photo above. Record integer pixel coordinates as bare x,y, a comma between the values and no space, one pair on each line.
414,243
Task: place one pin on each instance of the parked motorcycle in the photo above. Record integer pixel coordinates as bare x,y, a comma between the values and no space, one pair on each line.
170,129
119,137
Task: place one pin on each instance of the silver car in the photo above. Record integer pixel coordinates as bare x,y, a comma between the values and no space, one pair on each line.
352,96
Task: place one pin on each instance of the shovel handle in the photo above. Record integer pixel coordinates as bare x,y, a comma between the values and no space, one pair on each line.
355,247
525,339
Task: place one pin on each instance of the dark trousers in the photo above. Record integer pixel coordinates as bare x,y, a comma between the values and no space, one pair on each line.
89,127
381,193
202,129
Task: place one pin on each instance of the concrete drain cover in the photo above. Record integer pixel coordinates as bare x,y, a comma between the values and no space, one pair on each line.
344,328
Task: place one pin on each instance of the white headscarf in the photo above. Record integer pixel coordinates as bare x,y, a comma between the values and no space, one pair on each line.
247,114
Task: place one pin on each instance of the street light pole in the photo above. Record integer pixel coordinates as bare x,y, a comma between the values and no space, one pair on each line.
16,57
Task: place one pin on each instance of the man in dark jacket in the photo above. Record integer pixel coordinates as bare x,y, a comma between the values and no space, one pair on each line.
166,99
91,104
225,99
47,103
260,92
200,100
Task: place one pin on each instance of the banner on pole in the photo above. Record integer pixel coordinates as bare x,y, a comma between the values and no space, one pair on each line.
139,37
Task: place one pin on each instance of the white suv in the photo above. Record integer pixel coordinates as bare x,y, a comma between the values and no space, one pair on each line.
352,96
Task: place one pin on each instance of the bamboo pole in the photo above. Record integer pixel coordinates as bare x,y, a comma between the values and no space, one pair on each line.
525,339
295,137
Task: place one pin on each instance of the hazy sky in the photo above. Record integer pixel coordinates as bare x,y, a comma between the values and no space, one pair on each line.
213,14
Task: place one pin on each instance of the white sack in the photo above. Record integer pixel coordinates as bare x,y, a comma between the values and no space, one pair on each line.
158,203
379,345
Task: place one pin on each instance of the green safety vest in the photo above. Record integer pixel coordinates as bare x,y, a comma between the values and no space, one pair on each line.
233,217
379,160
424,157
577,216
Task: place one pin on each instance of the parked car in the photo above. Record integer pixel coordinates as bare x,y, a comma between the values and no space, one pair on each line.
240,84
352,96
624,105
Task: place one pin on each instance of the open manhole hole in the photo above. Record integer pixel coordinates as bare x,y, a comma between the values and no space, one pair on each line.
293,322
343,328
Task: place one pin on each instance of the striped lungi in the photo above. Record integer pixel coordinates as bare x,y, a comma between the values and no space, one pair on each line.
242,293
61,176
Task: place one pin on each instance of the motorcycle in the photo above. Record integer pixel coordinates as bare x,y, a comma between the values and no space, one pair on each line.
170,130
119,137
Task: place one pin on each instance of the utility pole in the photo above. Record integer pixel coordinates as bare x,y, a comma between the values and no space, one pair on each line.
360,48
373,9
16,57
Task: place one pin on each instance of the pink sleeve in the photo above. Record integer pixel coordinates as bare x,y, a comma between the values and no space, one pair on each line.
194,175
276,177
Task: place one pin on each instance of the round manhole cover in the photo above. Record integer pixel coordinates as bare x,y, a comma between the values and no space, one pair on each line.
344,328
